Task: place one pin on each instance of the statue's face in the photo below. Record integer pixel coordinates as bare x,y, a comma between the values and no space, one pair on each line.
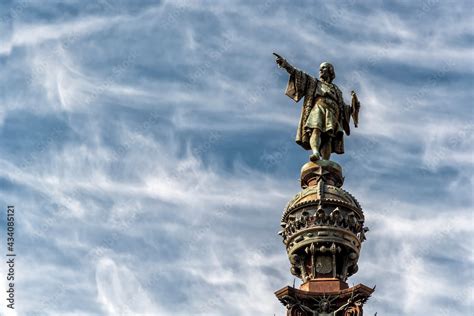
325,71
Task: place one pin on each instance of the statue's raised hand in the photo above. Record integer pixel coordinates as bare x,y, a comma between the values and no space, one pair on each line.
281,62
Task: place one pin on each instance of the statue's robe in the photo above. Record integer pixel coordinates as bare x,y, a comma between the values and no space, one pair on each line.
323,108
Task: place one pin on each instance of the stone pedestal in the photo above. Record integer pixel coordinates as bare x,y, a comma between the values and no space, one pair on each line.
324,285
303,303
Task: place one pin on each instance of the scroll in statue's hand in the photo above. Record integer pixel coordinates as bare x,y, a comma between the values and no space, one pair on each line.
355,105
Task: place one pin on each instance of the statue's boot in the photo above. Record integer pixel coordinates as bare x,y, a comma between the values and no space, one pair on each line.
314,157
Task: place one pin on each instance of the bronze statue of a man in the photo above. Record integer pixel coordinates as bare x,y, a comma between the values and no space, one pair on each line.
324,116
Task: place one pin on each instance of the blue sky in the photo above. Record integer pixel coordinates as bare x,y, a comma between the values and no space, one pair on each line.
149,150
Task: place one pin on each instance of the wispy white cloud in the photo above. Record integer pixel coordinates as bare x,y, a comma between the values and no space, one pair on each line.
120,293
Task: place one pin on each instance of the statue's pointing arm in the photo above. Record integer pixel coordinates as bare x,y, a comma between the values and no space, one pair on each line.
297,83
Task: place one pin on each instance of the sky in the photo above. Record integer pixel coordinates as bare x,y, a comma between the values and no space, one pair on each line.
148,149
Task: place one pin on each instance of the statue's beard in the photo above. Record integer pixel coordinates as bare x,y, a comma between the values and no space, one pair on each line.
325,77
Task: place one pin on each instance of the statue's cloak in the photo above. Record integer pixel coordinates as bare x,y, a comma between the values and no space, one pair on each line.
301,85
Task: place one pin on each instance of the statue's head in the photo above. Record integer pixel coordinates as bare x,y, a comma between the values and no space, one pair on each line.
326,72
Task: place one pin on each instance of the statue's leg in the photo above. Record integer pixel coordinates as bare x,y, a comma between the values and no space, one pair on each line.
326,149
315,143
